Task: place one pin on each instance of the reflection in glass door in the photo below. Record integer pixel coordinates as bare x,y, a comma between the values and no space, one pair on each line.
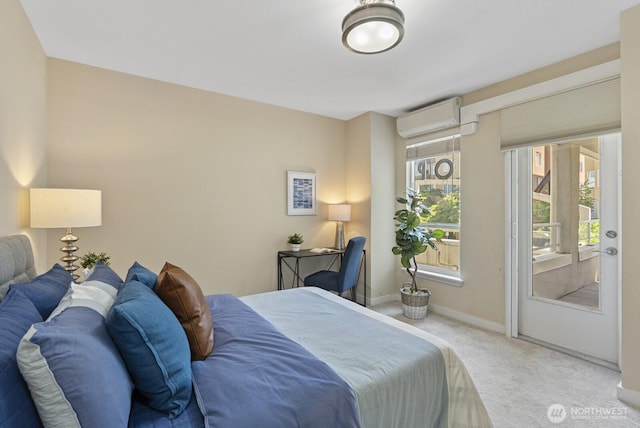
567,244
566,222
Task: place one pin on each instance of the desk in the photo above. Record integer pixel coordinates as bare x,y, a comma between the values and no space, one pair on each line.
296,281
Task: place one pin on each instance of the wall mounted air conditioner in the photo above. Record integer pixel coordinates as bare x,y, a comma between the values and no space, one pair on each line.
442,115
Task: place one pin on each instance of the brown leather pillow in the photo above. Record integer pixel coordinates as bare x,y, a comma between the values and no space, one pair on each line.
182,294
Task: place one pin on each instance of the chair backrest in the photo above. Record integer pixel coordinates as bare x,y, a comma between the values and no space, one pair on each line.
350,267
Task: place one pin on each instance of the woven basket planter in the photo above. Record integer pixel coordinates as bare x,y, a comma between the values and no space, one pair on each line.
414,306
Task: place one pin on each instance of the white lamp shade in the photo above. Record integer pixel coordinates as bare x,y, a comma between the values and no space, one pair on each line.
65,208
340,212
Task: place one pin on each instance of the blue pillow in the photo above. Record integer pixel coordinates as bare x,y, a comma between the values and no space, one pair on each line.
104,273
154,347
139,273
74,371
46,290
17,313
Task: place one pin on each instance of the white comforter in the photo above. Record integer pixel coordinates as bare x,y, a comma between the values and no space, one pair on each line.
394,369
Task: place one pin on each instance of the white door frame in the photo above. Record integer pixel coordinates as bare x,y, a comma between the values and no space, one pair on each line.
511,249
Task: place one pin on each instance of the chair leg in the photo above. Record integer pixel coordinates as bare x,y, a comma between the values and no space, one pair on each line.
353,294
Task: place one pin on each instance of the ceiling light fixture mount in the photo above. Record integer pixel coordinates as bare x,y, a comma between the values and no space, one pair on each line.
374,26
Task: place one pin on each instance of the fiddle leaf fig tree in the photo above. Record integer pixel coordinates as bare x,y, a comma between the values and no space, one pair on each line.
412,239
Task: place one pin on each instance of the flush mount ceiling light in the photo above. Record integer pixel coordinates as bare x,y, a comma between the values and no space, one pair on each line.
373,27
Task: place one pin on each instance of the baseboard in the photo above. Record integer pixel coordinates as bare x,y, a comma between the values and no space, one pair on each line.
466,318
451,313
384,299
629,396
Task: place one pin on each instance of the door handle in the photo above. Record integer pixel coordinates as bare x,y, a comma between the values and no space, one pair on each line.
610,251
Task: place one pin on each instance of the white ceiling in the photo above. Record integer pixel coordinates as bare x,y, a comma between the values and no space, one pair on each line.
289,52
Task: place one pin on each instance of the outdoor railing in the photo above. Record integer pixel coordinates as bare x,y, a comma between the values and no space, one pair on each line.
589,232
545,237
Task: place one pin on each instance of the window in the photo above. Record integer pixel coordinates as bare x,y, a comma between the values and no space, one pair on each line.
433,170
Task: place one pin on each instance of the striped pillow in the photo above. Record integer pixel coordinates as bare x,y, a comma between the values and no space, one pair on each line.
74,372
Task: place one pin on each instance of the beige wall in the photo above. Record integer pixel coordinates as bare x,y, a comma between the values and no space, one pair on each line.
190,177
370,166
23,122
383,262
357,175
570,65
482,227
630,53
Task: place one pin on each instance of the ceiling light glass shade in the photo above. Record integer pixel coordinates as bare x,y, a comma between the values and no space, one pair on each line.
373,27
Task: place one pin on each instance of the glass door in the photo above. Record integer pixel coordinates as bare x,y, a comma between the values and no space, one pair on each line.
567,244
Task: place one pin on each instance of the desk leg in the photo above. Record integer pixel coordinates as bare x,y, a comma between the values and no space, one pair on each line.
297,273
280,279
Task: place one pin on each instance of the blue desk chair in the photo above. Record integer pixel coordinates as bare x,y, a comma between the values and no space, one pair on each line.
347,277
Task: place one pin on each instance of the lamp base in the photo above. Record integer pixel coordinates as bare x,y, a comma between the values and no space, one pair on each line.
339,244
69,258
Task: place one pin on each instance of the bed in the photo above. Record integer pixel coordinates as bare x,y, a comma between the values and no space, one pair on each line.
293,358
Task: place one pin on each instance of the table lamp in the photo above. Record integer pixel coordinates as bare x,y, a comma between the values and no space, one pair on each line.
66,208
340,213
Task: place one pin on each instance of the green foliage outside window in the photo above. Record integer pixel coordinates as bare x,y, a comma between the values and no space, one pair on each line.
447,210
586,195
431,196
589,233
541,212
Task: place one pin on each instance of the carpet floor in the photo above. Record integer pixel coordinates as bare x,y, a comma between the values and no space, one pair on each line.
520,381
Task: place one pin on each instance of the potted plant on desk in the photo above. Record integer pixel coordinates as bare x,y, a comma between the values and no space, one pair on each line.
411,241
91,258
295,240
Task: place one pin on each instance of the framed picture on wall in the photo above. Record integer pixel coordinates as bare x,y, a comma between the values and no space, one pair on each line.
301,193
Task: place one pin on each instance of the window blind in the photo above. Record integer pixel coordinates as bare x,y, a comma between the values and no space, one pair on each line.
431,148
584,111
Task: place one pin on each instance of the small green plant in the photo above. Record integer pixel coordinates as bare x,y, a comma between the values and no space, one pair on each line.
411,239
91,258
296,238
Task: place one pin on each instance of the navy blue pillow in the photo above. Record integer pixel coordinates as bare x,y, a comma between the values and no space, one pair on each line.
17,313
139,273
104,273
46,290
154,347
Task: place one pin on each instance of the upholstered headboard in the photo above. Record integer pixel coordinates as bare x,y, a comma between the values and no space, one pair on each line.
16,261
